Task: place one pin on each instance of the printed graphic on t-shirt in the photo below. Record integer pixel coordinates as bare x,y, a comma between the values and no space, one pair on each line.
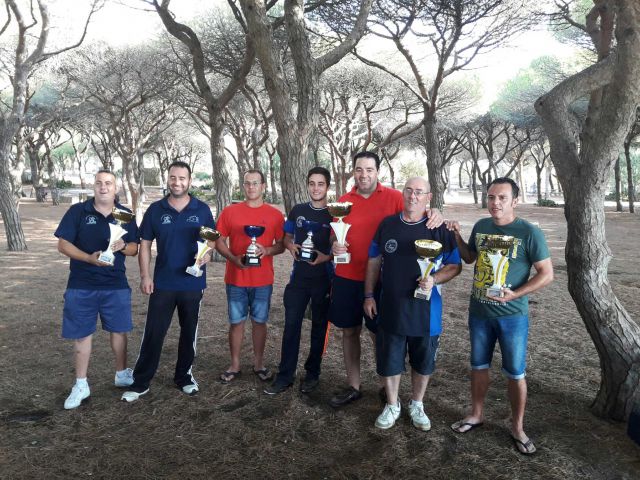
491,262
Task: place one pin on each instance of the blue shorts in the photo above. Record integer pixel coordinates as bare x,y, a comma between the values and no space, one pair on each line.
347,297
243,301
511,333
82,307
391,351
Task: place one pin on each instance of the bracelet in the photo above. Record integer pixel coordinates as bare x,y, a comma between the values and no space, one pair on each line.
368,295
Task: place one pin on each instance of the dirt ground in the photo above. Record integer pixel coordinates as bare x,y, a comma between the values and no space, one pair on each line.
235,431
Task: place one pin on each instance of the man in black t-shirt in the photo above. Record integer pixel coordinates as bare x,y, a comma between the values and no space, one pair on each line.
407,324
310,281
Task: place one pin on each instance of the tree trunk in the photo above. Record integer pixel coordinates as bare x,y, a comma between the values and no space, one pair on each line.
221,180
618,185
523,183
539,184
614,333
295,162
272,177
434,162
473,184
16,241
630,185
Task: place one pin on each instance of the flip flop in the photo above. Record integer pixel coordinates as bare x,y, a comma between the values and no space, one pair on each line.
263,374
460,424
229,376
525,448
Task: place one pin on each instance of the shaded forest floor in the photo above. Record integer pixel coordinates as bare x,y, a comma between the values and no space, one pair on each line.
235,431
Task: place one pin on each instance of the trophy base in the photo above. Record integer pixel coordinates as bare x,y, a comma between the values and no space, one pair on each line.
194,270
307,256
494,292
342,258
106,257
422,294
249,261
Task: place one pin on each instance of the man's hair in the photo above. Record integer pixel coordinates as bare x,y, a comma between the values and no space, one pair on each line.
366,154
320,171
515,190
106,170
259,172
180,164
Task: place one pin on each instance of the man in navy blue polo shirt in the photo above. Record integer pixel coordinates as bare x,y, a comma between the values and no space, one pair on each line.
96,288
407,324
310,282
174,223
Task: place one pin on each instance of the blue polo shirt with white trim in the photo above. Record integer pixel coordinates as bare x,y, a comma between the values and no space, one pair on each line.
176,235
88,229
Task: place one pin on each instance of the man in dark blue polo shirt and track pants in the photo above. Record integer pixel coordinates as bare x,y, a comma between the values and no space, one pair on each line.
94,287
407,324
174,222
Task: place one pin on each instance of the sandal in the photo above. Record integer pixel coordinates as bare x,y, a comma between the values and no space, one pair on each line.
263,374
229,376
525,448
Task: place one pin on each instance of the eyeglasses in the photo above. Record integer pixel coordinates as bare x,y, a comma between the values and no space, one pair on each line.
417,193
251,184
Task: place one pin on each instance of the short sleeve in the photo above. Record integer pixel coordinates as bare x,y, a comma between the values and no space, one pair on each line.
223,223
146,227
68,227
537,248
472,240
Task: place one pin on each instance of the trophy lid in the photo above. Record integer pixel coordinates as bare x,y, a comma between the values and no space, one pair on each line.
208,233
339,209
498,241
428,248
254,230
122,215
311,226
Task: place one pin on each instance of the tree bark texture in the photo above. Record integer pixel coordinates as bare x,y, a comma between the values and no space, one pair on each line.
631,189
12,225
584,170
221,178
618,185
434,162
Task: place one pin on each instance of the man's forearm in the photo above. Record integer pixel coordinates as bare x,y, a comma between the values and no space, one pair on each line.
446,273
144,259
373,274
463,248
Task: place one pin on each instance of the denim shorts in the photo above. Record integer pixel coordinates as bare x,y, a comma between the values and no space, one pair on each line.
346,309
391,351
253,301
82,307
511,333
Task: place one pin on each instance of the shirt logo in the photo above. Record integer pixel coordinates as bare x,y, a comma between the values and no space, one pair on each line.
193,219
91,220
391,246
166,219
299,221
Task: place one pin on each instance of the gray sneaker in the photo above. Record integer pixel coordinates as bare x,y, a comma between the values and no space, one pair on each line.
132,396
77,395
419,419
125,379
190,389
388,417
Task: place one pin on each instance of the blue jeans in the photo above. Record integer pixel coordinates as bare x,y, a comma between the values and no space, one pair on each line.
511,333
243,301
297,295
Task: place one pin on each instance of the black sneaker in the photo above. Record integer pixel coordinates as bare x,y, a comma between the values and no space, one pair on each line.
275,388
309,384
345,397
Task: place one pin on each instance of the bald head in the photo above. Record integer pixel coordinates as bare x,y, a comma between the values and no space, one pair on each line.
418,183
416,196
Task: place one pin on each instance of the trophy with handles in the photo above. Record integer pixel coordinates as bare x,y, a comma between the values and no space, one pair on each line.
340,228
116,232
427,250
207,234
250,258
498,247
307,251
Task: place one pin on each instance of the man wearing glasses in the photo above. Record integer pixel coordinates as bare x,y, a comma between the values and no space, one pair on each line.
407,324
249,288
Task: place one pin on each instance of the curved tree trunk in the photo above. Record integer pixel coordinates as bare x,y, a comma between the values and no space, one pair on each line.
618,185
10,217
434,163
293,150
630,186
221,179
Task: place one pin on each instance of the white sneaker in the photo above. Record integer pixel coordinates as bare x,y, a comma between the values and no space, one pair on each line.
77,395
132,396
388,417
191,389
419,419
125,379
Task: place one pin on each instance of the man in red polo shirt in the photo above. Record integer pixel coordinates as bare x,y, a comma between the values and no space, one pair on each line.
372,202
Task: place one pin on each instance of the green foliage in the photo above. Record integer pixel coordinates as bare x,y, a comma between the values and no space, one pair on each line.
64,184
545,202
202,176
63,151
414,168
237,194
207,196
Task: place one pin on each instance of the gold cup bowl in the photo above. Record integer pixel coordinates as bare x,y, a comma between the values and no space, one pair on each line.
498,242
428,248
208,233
122,216
339,209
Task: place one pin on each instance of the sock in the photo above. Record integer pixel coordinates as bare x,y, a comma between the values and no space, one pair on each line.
417,404
121,373
82,382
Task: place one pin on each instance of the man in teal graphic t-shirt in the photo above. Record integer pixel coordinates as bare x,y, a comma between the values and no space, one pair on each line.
504,248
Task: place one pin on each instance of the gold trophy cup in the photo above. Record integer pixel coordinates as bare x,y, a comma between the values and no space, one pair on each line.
427,250
498,253
340,228
206,234
116,232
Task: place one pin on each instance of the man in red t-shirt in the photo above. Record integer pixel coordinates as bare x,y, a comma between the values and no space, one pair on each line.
249,288
372,202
